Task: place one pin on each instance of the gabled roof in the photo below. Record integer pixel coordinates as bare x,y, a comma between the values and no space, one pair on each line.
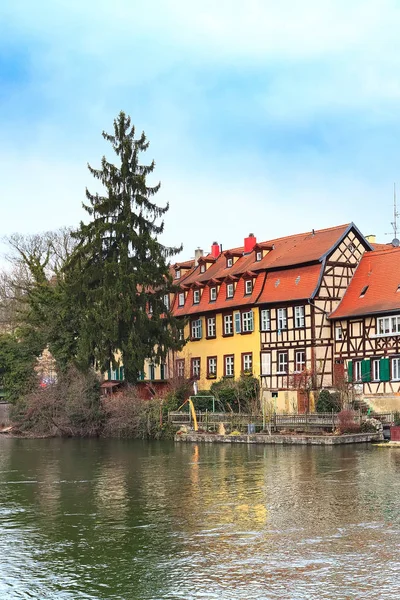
379,272
286,285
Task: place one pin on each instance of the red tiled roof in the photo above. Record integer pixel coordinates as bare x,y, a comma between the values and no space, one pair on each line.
382,246
380,271
290,284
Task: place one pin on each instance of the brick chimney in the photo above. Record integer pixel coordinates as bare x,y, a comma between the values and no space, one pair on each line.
249,242
215,250
197,253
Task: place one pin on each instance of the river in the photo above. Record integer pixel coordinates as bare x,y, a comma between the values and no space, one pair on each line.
106,519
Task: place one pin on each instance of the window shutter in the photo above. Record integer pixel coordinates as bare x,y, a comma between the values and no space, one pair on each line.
384,369
366,370
109,374
252,321
237,323
121,374
350,370
265,363
200,328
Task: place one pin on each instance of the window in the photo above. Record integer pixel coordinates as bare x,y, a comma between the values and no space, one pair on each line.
163,371
229,263
196,296
282,318
247,321
150,308
181,334
181,299
211,327
151,372
258,255
212,367
228,325
364,291
177,274
376,369
282,362
388,325
300,361
357,370
195,368
180,368
265,363
213,294
229,290
247,363
299,316
248,287
196,329
238,323
265,320
229,365
202,268
338,333
166,301
395,369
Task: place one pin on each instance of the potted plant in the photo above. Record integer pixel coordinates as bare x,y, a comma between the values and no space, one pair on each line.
395,428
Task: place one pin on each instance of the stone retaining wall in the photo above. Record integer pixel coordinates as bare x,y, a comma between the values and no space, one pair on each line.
4,414
259,438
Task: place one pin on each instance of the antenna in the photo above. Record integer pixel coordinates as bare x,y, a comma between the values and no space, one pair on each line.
396,214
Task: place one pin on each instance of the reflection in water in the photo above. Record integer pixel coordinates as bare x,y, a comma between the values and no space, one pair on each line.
101,519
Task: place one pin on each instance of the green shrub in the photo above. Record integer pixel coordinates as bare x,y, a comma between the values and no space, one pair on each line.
328,402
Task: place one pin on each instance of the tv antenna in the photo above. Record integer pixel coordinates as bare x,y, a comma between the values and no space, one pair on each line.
394,224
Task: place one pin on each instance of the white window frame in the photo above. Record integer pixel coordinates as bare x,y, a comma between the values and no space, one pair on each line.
237,322
395,369
180,367
299,365
211,327
178,274
181,299
181,334
265,363
196,297
196,328
248,287
213,294
166,301
338,333
299,318
229,263
282,363
228,324
229,366
212,365
196,368
247,321
282,318
248,362
376,369
202,268
230,290
389,325
357,371
266,319
258,256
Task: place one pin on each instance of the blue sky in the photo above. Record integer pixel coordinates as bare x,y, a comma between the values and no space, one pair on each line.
263,117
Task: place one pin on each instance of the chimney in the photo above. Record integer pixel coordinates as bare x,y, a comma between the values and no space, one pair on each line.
197,253
249,243
215,250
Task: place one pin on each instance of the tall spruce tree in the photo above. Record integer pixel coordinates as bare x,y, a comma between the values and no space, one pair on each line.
120,269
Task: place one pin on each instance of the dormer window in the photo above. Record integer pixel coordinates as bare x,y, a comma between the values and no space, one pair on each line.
213,294
229,290
258,255
364,291
196,296
248,287
202,268
181,299
229,262
177,274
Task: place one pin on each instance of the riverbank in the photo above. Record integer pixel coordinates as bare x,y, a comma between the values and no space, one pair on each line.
277,439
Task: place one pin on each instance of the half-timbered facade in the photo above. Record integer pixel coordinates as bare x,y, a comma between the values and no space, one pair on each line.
300,291
366,329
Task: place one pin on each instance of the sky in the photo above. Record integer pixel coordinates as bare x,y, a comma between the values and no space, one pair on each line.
265,117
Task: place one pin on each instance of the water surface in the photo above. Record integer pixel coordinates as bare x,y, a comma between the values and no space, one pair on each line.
101,519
